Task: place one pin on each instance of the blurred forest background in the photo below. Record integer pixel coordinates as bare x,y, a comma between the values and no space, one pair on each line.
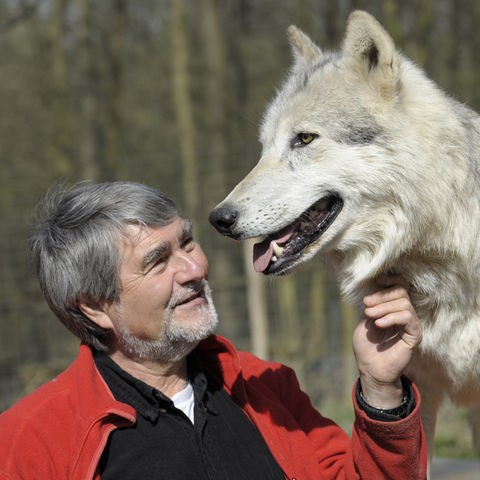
170,93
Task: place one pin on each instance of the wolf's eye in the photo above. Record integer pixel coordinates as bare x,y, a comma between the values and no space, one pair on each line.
303,139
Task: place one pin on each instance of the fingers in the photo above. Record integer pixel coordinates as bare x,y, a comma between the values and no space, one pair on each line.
401,318
391,311
391,294
391,308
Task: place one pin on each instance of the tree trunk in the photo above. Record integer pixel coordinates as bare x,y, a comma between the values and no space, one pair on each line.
183,109
349,315
88,77
257,304
59,145
113,164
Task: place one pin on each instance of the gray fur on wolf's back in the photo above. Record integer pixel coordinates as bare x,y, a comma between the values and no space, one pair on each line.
365,132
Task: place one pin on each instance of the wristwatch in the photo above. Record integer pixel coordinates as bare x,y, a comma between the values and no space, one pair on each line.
388,414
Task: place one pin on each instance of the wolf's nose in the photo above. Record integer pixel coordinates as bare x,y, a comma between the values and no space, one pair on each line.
223,218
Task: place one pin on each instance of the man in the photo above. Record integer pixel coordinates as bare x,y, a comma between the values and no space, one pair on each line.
154,394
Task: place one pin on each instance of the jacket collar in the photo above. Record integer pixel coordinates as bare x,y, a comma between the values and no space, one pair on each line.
83,371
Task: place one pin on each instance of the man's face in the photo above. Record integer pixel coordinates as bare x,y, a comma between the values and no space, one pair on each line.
165,307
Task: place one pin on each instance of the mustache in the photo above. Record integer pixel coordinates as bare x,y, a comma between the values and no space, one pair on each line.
188,292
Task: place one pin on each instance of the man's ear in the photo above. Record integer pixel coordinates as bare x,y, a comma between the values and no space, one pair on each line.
97,313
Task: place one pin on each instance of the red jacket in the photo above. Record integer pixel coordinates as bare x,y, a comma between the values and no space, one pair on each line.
60,430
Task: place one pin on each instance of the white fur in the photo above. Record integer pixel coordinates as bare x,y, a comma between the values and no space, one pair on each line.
411,195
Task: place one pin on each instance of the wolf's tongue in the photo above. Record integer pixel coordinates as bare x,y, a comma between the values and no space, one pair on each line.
262,254
263,251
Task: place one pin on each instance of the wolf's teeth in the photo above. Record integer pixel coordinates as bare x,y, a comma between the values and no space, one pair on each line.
274,258
277,249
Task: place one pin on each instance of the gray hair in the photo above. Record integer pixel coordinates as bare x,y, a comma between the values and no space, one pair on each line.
74,246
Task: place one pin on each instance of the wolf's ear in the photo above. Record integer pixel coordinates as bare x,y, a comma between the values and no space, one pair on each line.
370,52
305,51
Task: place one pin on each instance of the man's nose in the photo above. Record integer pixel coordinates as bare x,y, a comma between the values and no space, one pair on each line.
189,268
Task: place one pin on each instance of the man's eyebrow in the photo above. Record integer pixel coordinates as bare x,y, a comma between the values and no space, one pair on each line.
187,230
163,248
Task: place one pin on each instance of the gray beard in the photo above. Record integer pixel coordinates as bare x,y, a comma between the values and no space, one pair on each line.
176,340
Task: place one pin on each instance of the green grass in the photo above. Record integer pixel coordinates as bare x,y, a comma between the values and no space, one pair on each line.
453,437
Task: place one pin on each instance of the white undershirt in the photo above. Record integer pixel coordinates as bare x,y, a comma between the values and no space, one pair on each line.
184,401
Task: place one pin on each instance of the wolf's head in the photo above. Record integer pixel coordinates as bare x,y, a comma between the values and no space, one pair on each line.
340,170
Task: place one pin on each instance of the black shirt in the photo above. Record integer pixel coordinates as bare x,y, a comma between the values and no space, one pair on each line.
222,444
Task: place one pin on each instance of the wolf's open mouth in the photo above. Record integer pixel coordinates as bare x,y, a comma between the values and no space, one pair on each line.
279,251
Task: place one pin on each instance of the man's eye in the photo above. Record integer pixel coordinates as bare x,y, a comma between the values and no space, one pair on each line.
304,138
159,263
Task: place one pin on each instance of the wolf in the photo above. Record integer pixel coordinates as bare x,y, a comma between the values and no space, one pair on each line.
368,163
